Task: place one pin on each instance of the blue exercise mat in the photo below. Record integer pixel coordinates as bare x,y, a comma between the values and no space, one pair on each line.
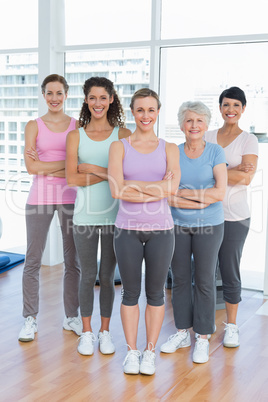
10,260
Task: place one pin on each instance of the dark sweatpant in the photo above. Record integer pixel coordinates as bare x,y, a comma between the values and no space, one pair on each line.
38,219
230,253
195,310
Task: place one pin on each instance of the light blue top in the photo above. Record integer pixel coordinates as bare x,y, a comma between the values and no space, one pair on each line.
94,204
198,174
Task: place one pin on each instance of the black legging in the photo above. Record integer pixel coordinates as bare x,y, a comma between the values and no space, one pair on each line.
86,240
156,248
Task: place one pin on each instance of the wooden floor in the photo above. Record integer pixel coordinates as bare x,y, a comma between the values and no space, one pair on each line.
50,369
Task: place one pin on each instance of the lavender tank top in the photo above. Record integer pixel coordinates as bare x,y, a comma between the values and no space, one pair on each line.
144,167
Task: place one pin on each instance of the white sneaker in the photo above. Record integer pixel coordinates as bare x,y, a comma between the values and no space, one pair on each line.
131,363
86,344
201,351
208,335
28,330
73,324
181,339
147,365
106,343
231,336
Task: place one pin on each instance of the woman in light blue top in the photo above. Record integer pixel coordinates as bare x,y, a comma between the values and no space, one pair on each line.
101,123
198,217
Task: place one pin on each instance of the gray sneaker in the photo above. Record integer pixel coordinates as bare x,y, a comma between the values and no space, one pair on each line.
179,340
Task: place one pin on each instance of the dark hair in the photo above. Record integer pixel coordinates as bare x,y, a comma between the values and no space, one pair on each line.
54,78
233,93
115,114
144,93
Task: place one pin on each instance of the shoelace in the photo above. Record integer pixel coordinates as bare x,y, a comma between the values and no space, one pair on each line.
230,328
87,337
132,355
105,336
201,344
75,320
148,355
178,335
29,323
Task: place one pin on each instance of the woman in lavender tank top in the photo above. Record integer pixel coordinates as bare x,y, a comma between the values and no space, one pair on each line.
143,171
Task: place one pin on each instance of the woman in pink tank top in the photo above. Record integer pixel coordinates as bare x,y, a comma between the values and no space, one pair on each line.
44,157
143,171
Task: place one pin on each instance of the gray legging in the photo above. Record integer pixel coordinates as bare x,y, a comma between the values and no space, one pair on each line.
38,219
235,234
86,240
198,310
156,248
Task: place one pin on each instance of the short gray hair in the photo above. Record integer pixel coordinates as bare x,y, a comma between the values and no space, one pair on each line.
196,107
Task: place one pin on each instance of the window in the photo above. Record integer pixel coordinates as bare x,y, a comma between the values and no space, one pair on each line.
118,21
12,137
24,14
12,126
184,81
12,149
207,18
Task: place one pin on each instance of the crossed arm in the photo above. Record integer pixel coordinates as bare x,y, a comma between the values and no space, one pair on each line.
31,158
142,191
84,174
243,173
201,198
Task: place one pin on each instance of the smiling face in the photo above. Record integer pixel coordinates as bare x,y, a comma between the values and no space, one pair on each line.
55,96
98,101
145,112
231,110
194,125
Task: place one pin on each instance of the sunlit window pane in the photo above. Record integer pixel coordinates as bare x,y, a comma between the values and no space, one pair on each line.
19,24
181,19
107,21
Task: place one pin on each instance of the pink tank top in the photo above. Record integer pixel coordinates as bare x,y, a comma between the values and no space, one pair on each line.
47,190
144,167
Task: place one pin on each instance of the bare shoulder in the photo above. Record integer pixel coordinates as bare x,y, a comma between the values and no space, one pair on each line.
172,148
124,133
31,125
31,131
73,137
73,133
116,147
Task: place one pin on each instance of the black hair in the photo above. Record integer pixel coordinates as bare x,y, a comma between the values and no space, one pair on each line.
233,93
